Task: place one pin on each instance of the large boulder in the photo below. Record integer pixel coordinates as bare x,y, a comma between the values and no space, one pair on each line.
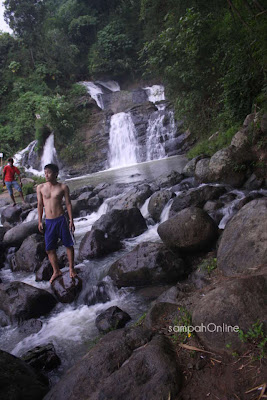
196,197
225,167
30,255
20,381
121,224
243,246
202,170
192,229
135,197
147,264
21,301
15,236
189,169
112,318
157,203
97,243
237,302
66,288
113,370
11,214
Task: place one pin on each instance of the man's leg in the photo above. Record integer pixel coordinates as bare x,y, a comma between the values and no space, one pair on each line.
52,255
21,195
10,191
70,254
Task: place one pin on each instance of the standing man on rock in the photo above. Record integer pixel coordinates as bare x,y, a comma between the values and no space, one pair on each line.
50,196
9,180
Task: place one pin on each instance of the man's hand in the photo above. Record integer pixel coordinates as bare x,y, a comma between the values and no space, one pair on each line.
40,227
71,226
21,184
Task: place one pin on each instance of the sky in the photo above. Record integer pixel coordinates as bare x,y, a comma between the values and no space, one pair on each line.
3,26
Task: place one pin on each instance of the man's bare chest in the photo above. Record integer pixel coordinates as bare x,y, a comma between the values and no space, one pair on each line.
52,194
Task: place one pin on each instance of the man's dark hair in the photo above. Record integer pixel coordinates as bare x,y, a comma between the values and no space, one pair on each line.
10,159
53,168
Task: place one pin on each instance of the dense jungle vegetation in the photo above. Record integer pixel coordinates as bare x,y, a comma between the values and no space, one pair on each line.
210,55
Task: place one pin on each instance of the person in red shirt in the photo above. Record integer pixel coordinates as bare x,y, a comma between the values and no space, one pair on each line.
9,173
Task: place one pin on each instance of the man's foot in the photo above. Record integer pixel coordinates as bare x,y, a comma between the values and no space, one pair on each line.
55,276
73,273
14,204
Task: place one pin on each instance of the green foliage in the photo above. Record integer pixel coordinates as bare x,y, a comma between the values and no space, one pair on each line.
28,188
183,319
210,146
208,265
140,320
256,336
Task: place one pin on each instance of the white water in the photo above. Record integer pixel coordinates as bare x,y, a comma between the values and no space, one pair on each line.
49,152
155,93
113,86
18,156
122,141
95,92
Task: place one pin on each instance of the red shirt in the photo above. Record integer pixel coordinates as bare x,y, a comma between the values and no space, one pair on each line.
10,173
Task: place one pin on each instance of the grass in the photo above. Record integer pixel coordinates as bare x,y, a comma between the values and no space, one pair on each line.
255,336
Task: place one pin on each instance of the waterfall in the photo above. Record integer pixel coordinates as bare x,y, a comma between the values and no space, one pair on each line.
21,156
122,141
113,86
49,152
155,93
95,92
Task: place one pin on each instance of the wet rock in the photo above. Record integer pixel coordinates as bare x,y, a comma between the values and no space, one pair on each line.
135,197
121,224
30,326
253,183
31,198
76,193
237,302
157,203
147,264
189,169
97,294
243,247
42,358
212,206
186,184
65,288
147,373
11,214
112,318
202,171
170,180
21,301
15,236
19,380
45,271
192,229
4,320
30,255
196,197
97,243
94,203
112,190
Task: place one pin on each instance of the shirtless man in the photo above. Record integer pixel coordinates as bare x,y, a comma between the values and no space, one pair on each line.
50,196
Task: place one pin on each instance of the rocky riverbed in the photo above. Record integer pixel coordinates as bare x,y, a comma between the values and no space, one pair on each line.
186,249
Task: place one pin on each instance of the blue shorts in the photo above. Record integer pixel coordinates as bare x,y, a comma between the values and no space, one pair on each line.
15,185
57,228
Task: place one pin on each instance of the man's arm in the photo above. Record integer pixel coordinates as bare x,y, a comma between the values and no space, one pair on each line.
69,207
40,208
18,173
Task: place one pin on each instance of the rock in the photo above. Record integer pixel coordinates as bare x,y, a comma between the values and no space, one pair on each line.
30,255
76,193
186,184
237,302
4,202
94,203
133,198
113,370
253,183
121,224
15,236
202,170
248,120
264,123
170,180
212,206
192,229
243,246
31,198
147,264
30,326
4,320
196,197
222,167
112,318
97,243
65,288
26,181
97,294
11,214
45,272
112,190
189,169
160,314
21,301
19,380
42,358
157,203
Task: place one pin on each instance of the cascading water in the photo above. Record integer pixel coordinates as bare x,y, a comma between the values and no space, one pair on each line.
49,152
155,93
95,92
24,155
123,149
113,86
